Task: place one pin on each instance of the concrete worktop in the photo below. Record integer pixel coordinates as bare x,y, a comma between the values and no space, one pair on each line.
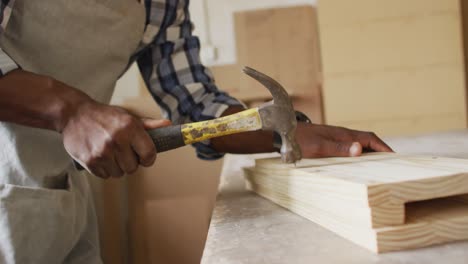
247,228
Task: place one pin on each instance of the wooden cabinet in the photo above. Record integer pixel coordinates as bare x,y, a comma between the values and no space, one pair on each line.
169,204
159,214
394,67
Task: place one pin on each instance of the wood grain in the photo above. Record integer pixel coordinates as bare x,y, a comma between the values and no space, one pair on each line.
383,202
282,42
402,59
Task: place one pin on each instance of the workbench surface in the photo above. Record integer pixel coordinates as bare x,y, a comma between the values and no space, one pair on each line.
247,228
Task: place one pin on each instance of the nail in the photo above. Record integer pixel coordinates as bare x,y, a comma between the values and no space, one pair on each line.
355,149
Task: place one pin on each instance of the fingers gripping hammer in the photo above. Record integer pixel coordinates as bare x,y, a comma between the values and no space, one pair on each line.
278,116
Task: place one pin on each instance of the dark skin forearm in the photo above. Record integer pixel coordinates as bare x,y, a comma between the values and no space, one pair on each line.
315,141
107,140
244,143
36,101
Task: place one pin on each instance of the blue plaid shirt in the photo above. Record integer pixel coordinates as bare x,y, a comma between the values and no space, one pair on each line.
169,61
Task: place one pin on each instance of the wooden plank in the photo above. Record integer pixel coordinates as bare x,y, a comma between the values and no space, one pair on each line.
401,90
255,47
339,12
282,42
228,77
297,53
430,223
402,59
370,199
393,44
413,125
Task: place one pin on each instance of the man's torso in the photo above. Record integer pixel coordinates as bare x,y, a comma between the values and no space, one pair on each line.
86,44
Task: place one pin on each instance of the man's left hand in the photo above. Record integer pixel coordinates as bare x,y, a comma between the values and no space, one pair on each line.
329,141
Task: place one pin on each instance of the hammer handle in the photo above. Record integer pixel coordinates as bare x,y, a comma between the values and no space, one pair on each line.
167,138
172,137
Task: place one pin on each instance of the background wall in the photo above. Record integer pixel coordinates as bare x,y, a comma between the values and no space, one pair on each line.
401,70
214,24
408,52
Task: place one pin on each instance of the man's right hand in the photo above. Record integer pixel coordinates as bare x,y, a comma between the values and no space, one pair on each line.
108,141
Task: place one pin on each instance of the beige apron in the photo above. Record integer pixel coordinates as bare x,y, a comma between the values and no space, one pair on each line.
46,212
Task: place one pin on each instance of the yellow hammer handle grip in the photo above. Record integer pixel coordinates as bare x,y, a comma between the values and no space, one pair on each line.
248,120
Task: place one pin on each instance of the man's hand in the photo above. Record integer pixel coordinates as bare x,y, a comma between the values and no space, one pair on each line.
329,141
108,141
316,141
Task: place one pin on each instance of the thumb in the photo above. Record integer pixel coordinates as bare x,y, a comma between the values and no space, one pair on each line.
340,149
149,123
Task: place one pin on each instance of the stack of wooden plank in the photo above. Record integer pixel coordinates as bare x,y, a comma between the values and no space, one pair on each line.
383,202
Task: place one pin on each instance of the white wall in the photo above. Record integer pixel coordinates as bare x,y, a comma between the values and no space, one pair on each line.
214,25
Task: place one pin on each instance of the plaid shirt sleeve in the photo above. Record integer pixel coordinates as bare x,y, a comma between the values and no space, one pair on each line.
171,67
6,63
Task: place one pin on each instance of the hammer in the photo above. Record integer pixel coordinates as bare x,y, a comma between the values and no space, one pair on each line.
277,115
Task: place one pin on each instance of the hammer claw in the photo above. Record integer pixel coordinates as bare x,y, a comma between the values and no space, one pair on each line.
280,96
279,116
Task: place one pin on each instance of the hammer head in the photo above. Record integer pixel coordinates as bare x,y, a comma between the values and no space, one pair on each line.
279,116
